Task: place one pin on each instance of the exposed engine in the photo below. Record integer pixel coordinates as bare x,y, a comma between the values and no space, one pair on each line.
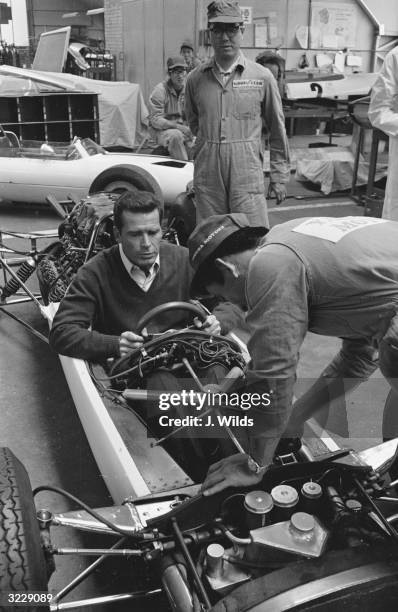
313,531
87,230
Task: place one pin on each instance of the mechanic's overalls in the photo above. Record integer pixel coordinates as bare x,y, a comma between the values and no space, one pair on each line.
228,120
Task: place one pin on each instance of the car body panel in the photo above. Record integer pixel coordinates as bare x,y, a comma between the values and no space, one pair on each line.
31,179
128,462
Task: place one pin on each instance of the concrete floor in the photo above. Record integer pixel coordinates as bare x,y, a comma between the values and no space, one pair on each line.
38,420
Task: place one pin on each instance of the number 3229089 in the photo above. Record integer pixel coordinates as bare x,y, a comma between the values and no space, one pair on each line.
26,598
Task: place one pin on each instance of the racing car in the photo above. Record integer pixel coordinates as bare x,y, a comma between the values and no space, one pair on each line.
317,533
30,174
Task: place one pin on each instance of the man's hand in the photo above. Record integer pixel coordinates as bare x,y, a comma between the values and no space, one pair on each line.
279,191
229,472
129,341
211,325
185,130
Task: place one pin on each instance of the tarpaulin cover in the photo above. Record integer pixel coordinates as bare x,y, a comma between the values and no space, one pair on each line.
122,111
332,168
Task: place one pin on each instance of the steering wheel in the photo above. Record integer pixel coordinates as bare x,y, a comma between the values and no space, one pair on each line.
154,312
120,364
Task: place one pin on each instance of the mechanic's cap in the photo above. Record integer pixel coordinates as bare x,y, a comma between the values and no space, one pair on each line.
209,234
224,11
176,62
188,44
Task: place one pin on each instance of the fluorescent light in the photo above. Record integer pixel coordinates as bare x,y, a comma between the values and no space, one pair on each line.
70,15
97,11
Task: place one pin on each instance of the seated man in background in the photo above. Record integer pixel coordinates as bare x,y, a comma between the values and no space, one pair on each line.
98,316
188,53
166,104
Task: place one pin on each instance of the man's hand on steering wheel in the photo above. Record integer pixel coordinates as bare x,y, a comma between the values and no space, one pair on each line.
211,325
129,341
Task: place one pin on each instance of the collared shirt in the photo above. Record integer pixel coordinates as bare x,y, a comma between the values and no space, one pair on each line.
225,74
238,110
143,280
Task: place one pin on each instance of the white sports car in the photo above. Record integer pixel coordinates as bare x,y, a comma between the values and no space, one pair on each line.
30,175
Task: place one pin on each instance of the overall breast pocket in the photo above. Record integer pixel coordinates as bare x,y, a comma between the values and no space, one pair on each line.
245,105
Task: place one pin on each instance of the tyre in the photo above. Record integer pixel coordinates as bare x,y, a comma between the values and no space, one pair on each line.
360,579
126,178
22,563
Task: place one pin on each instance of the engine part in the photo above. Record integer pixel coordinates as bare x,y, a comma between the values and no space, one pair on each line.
23,273
303,535
311,495
223,574
285,499
353,505
258,506
214,560
176,586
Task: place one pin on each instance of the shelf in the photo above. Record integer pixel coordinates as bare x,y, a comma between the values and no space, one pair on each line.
52,116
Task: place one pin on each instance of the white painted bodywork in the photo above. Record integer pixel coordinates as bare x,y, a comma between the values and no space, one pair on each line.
31,179
116,465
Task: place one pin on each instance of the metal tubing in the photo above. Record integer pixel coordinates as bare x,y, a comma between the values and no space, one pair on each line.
192,373
97,601
386,524
124,552
26,325
86,572
191,565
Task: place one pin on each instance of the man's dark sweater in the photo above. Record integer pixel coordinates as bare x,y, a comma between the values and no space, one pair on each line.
104,297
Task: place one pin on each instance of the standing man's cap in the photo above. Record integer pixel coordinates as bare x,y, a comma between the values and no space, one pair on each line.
176,62
224,11
188,44
209,234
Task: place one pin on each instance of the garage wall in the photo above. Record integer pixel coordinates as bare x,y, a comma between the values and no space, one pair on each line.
152,31
44,15
283,17
143,33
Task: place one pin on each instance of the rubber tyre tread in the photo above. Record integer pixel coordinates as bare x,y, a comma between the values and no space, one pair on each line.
22,563
139,178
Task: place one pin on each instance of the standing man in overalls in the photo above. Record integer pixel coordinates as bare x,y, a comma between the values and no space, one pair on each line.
229,100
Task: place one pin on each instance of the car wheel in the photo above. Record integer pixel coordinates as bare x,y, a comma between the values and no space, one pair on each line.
360,579
119,187
22,562
126,178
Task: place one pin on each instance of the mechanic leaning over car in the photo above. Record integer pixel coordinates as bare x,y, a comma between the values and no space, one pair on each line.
98,316
228,101
166,110
333,276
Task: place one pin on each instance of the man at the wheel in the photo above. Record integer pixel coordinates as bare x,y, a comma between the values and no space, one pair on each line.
97,319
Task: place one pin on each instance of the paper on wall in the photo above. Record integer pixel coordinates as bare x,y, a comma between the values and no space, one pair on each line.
302,36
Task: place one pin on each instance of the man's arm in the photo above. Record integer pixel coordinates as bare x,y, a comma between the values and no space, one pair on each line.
277,291
383,108
70,334
277,294
274,120
190,109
